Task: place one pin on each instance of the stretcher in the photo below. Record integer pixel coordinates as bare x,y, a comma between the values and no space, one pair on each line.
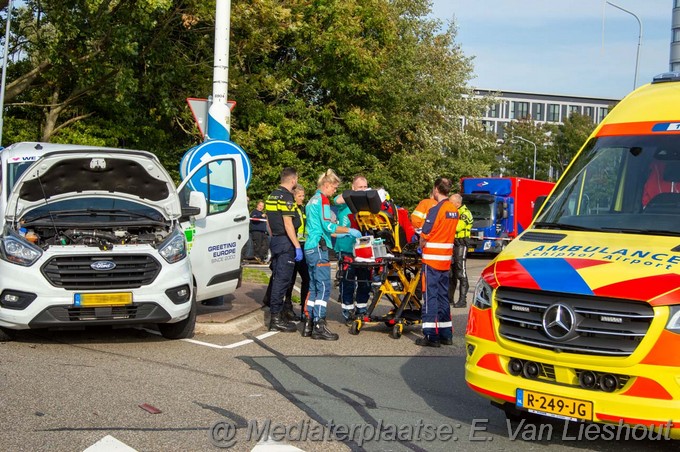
394,277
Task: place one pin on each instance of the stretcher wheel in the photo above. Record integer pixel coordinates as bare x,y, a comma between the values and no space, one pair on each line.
397,330
355,327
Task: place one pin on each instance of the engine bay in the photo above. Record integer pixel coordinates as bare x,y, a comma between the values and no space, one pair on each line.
102,238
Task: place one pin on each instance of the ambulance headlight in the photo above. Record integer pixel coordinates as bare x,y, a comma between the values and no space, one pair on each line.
674,319
18,251
174,248
483,294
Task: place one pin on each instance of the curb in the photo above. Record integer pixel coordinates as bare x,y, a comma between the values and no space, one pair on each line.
243,324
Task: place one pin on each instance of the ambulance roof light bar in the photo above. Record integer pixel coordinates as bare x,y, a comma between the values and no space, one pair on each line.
667,77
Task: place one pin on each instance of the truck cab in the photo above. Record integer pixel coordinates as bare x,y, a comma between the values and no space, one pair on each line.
501,207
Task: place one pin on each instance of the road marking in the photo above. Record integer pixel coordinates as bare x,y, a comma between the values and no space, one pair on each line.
208,344
109,444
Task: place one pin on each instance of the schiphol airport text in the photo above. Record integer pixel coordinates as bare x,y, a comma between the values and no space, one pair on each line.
623,255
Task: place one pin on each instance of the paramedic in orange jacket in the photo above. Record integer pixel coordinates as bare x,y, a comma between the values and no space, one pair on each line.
420,212
436,241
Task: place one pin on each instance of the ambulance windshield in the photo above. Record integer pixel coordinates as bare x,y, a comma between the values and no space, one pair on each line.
620,184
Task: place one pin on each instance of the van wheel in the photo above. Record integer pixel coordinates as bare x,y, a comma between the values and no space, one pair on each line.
7,335
183,329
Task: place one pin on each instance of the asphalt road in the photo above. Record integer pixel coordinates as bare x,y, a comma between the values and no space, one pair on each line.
70,391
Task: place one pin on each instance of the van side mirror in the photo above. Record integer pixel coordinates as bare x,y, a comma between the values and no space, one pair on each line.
197,208
538,204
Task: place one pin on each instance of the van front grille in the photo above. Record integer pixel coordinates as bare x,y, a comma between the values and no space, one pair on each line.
77,272
586,325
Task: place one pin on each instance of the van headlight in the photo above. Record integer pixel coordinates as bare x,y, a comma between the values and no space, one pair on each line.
483,294
18,251
174,248
674,319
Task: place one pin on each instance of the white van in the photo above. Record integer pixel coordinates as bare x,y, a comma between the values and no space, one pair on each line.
98,236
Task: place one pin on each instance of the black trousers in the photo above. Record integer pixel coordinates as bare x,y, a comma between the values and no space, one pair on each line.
282,265
260,245
458,272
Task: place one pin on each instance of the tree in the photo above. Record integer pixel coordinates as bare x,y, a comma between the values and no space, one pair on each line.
361,86
569,137
519,154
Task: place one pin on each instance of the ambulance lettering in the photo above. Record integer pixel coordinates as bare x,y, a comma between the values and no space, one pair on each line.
641,257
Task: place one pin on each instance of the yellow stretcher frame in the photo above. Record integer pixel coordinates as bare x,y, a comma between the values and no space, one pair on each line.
394,278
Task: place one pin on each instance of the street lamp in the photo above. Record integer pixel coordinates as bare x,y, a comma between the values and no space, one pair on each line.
637,57
530,142
4,69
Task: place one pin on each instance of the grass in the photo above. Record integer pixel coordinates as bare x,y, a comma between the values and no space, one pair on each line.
254,275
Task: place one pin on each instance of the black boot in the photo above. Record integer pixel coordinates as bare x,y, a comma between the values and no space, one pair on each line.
308,328
462,297
278,323
321,331
452,286
289,314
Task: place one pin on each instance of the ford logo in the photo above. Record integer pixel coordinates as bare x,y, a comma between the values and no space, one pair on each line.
103,265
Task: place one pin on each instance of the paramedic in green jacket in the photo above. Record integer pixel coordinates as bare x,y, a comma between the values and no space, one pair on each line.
319,230
353,279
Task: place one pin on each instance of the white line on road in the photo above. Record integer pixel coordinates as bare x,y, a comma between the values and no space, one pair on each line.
208,344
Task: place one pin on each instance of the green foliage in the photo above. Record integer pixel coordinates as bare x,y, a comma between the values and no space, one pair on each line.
569,137
360,86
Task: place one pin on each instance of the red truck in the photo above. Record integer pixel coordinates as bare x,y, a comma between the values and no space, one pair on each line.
502,207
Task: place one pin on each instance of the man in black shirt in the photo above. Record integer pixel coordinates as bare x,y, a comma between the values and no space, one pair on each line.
284,246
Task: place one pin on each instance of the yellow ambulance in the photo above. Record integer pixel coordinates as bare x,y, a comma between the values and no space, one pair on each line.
579,317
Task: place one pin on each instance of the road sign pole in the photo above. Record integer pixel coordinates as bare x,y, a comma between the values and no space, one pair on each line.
219,116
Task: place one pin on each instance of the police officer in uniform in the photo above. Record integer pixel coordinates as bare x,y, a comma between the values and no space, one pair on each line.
284,245
460,245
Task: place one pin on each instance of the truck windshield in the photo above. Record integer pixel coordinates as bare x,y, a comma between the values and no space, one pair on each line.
482,213
620,184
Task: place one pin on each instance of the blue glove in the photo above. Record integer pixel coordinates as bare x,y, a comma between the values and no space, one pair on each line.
298,254
355,233
419,250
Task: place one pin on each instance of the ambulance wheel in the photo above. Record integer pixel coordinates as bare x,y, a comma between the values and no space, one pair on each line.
355,327
397,330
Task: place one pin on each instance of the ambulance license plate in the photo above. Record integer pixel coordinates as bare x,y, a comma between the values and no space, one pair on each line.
555,406
85,300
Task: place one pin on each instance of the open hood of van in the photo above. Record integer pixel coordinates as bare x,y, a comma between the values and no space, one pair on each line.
611,265
132,175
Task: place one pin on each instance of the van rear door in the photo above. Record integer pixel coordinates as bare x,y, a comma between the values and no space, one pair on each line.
216,240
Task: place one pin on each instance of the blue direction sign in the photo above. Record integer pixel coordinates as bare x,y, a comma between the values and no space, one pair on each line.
197,156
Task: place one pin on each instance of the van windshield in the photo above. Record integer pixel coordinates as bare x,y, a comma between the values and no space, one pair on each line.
620,184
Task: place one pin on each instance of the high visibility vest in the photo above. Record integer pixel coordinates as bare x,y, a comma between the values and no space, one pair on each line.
419,214
464,227
439,232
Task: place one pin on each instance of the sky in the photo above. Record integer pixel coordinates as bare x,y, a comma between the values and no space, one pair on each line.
570,47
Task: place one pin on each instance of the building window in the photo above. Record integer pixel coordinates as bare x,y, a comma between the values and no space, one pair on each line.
553,113
676,35
574,109
675,67
488,126
538,112
676,4
603,113
519,110
493,111
588,111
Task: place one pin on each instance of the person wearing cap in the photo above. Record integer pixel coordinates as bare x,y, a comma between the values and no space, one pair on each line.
436,242
319,229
